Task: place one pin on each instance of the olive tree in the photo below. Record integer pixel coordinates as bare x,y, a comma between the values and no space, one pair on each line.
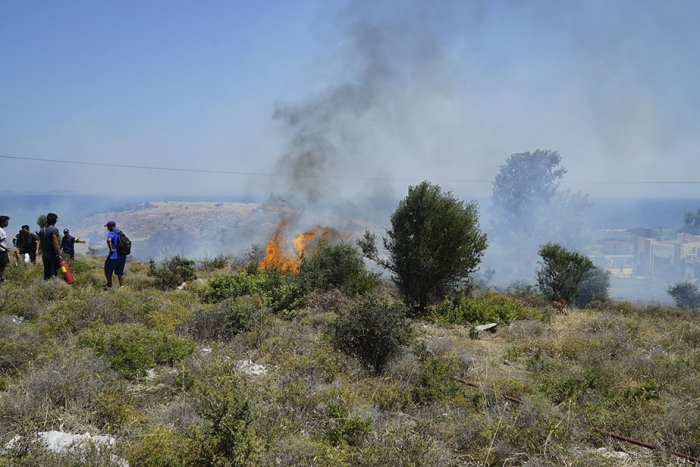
562,272
433,245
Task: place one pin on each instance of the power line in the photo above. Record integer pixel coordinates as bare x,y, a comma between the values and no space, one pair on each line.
335,177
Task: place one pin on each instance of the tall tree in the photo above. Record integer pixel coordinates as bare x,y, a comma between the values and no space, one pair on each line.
530,209
691,222
434,244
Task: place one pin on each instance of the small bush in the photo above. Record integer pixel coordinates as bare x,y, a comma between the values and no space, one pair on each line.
594,287
280,291
435,383
227,437
373,331
132,349
337,266
562,272
686,295
172,272
218,262
346,430
225,320
480,310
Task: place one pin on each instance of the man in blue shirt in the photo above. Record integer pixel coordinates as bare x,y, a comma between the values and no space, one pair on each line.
50,251
114,264
68,243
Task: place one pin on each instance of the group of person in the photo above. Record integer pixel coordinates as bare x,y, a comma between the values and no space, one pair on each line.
28,245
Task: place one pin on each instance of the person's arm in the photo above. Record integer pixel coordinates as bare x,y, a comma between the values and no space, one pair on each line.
109,245
55,246
37,244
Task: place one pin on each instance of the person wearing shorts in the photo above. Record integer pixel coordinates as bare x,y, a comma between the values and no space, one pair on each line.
114,264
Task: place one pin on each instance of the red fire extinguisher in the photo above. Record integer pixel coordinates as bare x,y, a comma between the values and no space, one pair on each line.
64,269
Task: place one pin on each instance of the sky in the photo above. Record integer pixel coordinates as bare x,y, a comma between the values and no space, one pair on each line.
334,100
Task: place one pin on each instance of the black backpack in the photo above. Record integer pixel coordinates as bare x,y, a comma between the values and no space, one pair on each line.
123,244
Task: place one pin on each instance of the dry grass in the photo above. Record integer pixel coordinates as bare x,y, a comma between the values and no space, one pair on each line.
519,396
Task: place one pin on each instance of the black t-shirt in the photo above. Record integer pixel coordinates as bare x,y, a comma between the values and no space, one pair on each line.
46,235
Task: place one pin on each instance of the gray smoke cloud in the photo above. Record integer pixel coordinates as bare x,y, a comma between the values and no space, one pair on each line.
390,70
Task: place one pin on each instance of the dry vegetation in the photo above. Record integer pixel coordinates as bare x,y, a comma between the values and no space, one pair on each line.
160,370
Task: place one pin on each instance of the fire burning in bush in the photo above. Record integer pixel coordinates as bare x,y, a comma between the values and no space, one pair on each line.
287,258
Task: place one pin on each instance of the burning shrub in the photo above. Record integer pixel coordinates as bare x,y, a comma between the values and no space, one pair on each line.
373,331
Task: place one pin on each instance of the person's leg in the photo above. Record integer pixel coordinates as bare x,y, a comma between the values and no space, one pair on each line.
119,270
46,259
110,264
54,266
18,257
4,260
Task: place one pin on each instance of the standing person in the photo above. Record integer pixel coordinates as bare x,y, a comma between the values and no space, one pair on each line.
51,252
4,249
114,264
27,242
68,243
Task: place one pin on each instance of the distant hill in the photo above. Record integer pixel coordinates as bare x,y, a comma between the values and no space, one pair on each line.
205,229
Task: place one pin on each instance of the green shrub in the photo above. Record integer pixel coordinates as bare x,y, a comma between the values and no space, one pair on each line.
162,446
218,262
686,295
562,272
172,272
132,349
435,383
280,291
227,437
336,266
225,320
483,309
224,286
346,430
373,331
594,287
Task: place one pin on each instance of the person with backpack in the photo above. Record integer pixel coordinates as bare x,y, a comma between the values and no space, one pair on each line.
68,243
27,243
116,258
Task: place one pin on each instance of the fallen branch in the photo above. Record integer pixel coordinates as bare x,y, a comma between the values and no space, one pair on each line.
642,443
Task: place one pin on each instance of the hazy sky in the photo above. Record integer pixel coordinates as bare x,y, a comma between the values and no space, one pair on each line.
341,98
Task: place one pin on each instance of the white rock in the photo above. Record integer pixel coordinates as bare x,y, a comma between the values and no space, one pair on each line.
250,368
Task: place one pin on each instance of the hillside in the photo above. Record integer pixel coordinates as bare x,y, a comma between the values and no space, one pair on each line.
244,369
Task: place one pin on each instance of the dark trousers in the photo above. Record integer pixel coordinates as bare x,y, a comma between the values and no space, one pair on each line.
50,265
32,254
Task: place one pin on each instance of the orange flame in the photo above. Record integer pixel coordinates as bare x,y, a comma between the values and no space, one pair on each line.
278,254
